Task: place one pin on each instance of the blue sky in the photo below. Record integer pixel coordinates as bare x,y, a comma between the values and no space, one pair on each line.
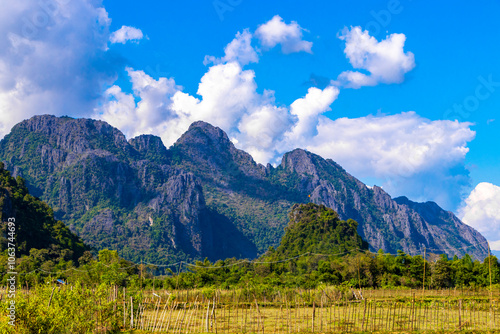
454,43
403,94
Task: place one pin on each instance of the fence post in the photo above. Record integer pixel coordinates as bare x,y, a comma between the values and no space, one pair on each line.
131,312
460,314
208,310
314,313
412,318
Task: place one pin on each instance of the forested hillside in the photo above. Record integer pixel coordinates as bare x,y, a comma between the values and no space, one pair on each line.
35,233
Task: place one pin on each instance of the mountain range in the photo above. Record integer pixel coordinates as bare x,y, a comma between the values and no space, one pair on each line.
203,197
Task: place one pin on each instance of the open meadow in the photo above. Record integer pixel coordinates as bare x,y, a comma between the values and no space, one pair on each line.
78,309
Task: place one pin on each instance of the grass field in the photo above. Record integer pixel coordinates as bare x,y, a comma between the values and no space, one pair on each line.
329,309
298,316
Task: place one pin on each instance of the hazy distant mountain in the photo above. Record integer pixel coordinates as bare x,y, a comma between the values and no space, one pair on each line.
203,197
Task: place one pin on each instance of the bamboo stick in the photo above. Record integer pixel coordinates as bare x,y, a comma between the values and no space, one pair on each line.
163,314
131,312
172,308
313,315
181,323
214,321
177,320
460,314
51,294
192,309
208,310
157,309
124,309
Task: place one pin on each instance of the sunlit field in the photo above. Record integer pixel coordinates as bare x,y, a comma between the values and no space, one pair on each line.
78,309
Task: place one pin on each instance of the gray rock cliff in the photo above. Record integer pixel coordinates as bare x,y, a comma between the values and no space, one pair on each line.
203,197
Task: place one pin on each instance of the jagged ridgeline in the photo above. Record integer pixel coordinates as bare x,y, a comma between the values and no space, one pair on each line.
203,197
317,229
35,226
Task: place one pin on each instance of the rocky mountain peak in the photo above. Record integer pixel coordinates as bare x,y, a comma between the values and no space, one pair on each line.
76,135
150,147
205,134
300,162
147,143
84,167
210,146
383,199
432,212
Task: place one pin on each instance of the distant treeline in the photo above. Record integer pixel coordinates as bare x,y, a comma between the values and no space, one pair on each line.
362,269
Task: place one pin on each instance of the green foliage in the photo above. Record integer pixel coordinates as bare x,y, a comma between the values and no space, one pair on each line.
317,249
35,225
75,310
317,229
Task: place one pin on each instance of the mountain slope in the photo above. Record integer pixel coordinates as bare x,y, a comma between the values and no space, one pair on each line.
385,223
117,194
203,197
34,223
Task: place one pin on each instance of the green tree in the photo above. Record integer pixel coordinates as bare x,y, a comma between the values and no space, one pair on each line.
442,273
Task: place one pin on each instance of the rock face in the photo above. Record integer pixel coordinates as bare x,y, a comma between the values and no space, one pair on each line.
387,224
118,194
203,197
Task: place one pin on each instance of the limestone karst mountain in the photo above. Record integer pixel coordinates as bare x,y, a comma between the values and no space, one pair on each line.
203,197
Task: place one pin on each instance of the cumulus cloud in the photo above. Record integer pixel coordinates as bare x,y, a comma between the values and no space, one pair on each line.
239,49
385,61
152,111
410,155
229,99
401,144
276,31
226,93
261,130
307,111
482,211
53,58
125,34
269,34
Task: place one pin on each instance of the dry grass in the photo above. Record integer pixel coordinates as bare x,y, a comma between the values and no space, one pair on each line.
296,316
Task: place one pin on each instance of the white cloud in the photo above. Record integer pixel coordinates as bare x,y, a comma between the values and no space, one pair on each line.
385,61
401,144
150,114
239,49
51,58
408,154
229,99
119,110
125,34
275,31
261,131
227,93
307,111
482,211
271,33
